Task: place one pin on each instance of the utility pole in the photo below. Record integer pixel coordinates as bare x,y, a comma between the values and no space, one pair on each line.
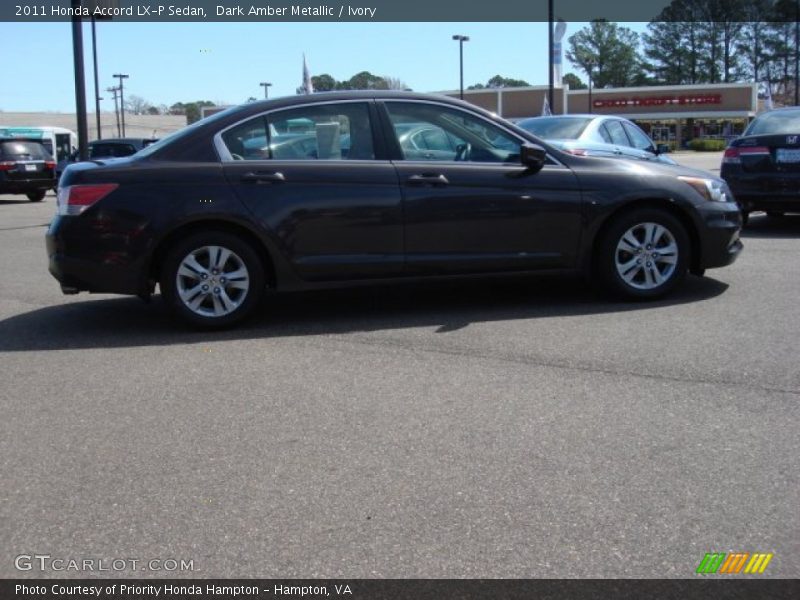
97,97
113,90
121,77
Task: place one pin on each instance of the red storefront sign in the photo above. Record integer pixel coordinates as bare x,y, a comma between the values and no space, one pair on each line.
684,100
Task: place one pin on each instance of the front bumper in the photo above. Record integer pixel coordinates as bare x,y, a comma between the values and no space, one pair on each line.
719,236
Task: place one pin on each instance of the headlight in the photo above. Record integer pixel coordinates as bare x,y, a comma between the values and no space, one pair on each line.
710,189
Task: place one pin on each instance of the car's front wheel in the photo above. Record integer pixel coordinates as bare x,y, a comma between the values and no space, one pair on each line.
643,254
212,279
36,196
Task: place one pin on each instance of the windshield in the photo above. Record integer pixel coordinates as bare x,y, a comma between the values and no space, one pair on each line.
779,121
555,128
176,135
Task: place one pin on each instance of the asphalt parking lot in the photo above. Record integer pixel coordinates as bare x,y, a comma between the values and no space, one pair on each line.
514,428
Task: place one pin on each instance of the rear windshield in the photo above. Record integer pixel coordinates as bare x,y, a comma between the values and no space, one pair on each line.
23,151
779,121
555,128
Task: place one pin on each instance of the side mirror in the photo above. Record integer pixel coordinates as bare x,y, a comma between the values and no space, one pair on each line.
662,149
532,156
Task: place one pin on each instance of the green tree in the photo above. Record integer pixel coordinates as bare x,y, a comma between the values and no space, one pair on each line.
498,81
363,81
323,83
608,51
573,81
190,109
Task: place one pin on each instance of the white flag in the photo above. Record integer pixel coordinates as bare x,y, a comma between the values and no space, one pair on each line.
546,112
308,87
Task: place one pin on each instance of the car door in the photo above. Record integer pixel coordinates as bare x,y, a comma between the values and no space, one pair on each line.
479,209
314,179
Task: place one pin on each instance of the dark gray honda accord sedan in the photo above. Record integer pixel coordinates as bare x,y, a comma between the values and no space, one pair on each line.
331,190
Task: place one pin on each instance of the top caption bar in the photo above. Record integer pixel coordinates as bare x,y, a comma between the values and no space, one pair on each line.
387,10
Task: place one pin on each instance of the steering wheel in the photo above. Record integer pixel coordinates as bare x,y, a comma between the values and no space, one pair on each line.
463,151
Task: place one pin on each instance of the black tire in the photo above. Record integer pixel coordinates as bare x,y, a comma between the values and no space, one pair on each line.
36,196
642,283
775,214
236,303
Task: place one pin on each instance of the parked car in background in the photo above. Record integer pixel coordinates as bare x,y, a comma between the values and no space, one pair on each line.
762,167
214,224
593,135
108,148
26,167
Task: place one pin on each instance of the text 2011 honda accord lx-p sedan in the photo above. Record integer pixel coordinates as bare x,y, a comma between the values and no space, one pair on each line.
322,190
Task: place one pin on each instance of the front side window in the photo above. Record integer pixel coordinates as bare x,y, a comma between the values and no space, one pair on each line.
319,132
437,133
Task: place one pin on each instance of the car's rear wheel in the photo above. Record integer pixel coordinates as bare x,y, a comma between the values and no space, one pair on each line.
212,279
36,196
643,254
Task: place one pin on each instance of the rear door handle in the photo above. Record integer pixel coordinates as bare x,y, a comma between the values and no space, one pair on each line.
428,179
259,177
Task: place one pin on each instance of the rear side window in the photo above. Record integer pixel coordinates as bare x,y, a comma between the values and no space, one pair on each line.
319,132
556,128
638,137
616,133
23,151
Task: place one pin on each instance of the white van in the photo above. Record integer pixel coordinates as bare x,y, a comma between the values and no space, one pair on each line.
58,141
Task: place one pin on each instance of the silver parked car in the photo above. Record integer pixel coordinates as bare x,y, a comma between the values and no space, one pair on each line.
593,135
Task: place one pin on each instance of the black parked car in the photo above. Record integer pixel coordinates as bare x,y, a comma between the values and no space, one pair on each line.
214,229
762,167
26,167
108,148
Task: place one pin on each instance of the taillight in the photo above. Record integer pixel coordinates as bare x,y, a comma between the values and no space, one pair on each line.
50,164
6,165
74,199
734,155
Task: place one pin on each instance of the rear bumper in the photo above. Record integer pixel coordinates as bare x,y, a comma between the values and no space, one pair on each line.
26,185
98,267
772,191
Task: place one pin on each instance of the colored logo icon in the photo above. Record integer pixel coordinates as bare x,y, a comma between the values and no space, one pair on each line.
734,563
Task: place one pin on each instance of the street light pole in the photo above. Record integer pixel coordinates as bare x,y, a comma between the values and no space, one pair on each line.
550,53
80,81
589,66
461,39
121,76
266,86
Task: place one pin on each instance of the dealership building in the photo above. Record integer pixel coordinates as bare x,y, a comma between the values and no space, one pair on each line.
669,114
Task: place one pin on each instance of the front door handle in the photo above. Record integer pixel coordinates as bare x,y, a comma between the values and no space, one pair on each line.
428,179
260,177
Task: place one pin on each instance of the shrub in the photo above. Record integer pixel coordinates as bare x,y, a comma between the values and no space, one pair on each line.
707,145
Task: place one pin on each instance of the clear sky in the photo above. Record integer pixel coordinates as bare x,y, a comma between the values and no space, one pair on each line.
224,62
